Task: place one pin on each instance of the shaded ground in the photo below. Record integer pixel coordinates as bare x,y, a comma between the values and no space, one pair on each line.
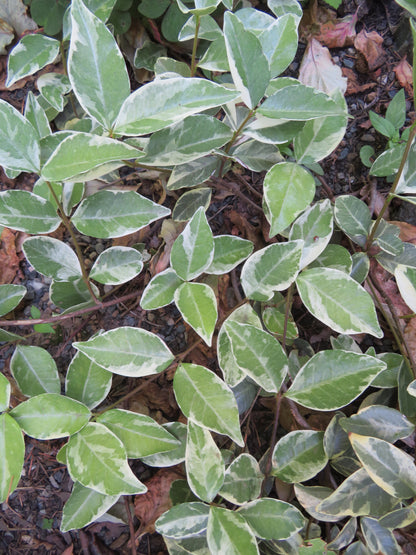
29,522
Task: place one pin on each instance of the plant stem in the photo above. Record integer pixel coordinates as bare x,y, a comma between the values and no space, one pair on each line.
235,135
288,305
67,223
195,45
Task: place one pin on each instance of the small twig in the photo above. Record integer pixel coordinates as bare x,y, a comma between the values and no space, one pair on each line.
221,184
131,527
250,187
326,188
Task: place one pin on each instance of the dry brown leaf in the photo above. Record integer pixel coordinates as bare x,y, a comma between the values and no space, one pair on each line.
150,506
9,261
404,75
319,71
369,45
407,231
353,86
14,13
69,550
338,33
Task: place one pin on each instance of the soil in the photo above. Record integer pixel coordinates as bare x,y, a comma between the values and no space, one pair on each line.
29,522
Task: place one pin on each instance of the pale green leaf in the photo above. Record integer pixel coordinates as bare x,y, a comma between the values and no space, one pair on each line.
353,217
242,480
67,294
36,115
198,306
229,533
215,57
388,164
86,381
400,518
174,456
208,29
160,290
24,211
12,447
202,7
53,87
184,520
34,370
127,351
10,297
256,156
345,535
280,42
332,379
379,539
189,202
229,252
52,258
5,390
282,7
406,282
274,317
334,256
192,173
117,265
310,497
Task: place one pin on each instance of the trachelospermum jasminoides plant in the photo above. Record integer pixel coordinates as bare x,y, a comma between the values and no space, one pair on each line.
190,128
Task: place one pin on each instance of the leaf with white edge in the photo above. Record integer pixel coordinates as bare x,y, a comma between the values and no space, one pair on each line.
299,456
10,297
86,381
12,447
248,64
400,518
345,536
387,238
189,202
202,7
193,250
67,294
208,29
127,351
242,480
388,377
272,519
51,416
258,354
229,533
184,520
53,87
215,57
160,290
174,456
407,182
229,252
411,388
314,227
161,103
97,459
5,390
334,256
206,400
192,173
379,539
255,155
32,53
186,141
379,421
203,463
279,43
84,506
81,152
288,191
140,434
198,306
273,268
117,265
275,320
7,336
338,301
34,370
406,282
332,379
197,545
353,217
299,103
309,497
116,213
72,194
233,374
96,67
24,211
19,143
391,468
282,7
52,258
36,115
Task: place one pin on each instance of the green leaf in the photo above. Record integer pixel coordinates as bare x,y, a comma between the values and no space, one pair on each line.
51,416
140,434
338,301
272,519
206,400
256,156
353,217
288,190
334,256
36,115
388,377
360,266
396,110
198,306
391,468
10,297
161,103
174,456
379,539
406,282
229,533
53,87
345,535
310,497
109,474
82,152
117,265
388,164
168,68
160,290
127,351
382,125
192,173
273,268
96,67
12,447
184,520
208,29
34,370
189,202
67,294
84,506
248,64
242,480
279,43
86,381
202,7
193,250
229,252
258,354
32,53
19,143
116,213
332,379
147,54
203,462
24,211
282,7
408,5
52,258
5,390
6,336
399,518
215,57
299,103
186,140
314,227
274,316
299,456
387,238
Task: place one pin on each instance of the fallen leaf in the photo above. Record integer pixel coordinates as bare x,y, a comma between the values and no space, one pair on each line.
6,35
319,71
353,85
404,75
69,550
407,231
149,506
338,33
9,261
14,13
369,45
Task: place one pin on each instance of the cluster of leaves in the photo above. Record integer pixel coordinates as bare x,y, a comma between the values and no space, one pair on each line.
267,122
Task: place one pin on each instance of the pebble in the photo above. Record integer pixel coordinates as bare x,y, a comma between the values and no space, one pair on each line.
348,62
368,138
343,154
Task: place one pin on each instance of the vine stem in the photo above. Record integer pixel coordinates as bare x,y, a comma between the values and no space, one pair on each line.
67,223
235,135
195,44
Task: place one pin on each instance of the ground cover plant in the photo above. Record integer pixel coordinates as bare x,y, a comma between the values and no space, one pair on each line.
352,482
